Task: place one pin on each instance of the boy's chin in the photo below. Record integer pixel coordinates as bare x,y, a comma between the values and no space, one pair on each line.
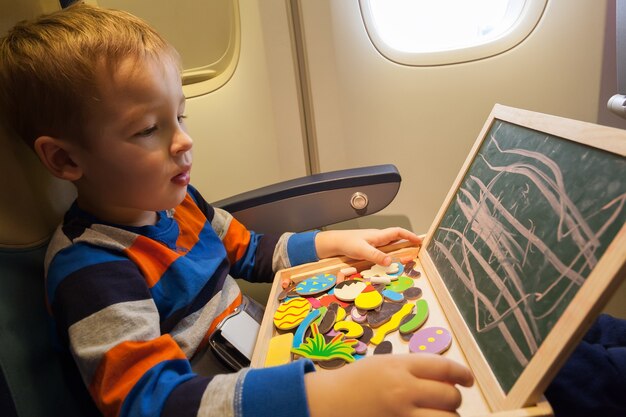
178,197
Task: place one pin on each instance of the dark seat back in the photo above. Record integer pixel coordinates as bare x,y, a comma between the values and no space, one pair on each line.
33,382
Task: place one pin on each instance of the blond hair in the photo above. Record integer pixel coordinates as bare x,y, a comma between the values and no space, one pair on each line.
49,66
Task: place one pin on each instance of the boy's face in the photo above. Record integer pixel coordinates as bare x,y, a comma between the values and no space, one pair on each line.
137,158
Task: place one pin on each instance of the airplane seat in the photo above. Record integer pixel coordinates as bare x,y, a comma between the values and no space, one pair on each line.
32,379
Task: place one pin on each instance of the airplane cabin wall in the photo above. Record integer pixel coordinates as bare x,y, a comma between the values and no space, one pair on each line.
248,134
369,110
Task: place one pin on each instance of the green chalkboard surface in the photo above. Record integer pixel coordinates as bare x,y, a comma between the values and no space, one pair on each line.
531,218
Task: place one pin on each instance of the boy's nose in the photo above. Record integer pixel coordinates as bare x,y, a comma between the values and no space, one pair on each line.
181,142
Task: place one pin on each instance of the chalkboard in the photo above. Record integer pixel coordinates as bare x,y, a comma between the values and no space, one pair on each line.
530,218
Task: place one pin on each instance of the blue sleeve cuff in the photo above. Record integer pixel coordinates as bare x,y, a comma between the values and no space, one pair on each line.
277,391
301,248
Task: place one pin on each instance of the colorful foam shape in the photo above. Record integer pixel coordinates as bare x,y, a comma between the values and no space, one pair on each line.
391,325
327,300
290,314
316,347
341,314
394,270
357,315
421,314
279,350
348,290
401,284
412,293
368,333
360,348
378,317
298,337
331,363
327,323
383,348
322,311
393,296
315,303
316,284
350,328
430,340
369,299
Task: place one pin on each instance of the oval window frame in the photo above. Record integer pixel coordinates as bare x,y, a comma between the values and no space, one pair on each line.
529,17
202,80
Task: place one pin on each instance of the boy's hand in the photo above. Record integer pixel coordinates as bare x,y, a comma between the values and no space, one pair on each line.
361,244
388,385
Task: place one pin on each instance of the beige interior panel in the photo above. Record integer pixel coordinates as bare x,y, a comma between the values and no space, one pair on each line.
369,110
198,29
248,134
205,33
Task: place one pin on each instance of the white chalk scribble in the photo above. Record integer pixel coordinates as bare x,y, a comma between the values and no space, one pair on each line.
503,242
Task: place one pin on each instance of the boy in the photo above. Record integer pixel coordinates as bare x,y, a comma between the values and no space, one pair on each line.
139,273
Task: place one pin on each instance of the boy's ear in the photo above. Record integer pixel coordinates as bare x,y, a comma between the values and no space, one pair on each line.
56,155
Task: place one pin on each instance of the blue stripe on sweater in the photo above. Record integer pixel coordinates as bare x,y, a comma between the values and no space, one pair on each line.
203,262
285,382
243,267
301,248
149,394
72,259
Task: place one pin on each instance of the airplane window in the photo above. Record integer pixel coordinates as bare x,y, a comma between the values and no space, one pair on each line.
205,33
437,32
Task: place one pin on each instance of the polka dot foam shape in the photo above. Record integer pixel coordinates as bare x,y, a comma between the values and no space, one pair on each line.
430,340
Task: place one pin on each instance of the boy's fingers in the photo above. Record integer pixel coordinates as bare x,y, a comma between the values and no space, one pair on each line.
437,395
377,256
423,412
438,368
396,233
410,236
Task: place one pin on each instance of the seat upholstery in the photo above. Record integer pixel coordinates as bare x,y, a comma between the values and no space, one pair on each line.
32,382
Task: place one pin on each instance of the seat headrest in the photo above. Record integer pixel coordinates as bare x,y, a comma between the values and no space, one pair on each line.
32,201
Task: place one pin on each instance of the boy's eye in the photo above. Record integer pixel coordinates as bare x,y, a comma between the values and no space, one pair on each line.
147,132
181,118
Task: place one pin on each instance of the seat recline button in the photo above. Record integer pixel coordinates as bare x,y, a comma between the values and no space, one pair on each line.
359,201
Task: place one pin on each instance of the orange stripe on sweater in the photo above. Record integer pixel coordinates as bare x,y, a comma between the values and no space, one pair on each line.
236,303
152,257
123,365
190,221
236,241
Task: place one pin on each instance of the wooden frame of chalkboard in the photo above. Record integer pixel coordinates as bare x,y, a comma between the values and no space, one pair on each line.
528,247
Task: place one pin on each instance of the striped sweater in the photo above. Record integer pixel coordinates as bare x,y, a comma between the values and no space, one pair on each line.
135,304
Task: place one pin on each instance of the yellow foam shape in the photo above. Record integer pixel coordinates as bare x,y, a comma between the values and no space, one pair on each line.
279,350
368,300
392,324
352,329
341,314
290,314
